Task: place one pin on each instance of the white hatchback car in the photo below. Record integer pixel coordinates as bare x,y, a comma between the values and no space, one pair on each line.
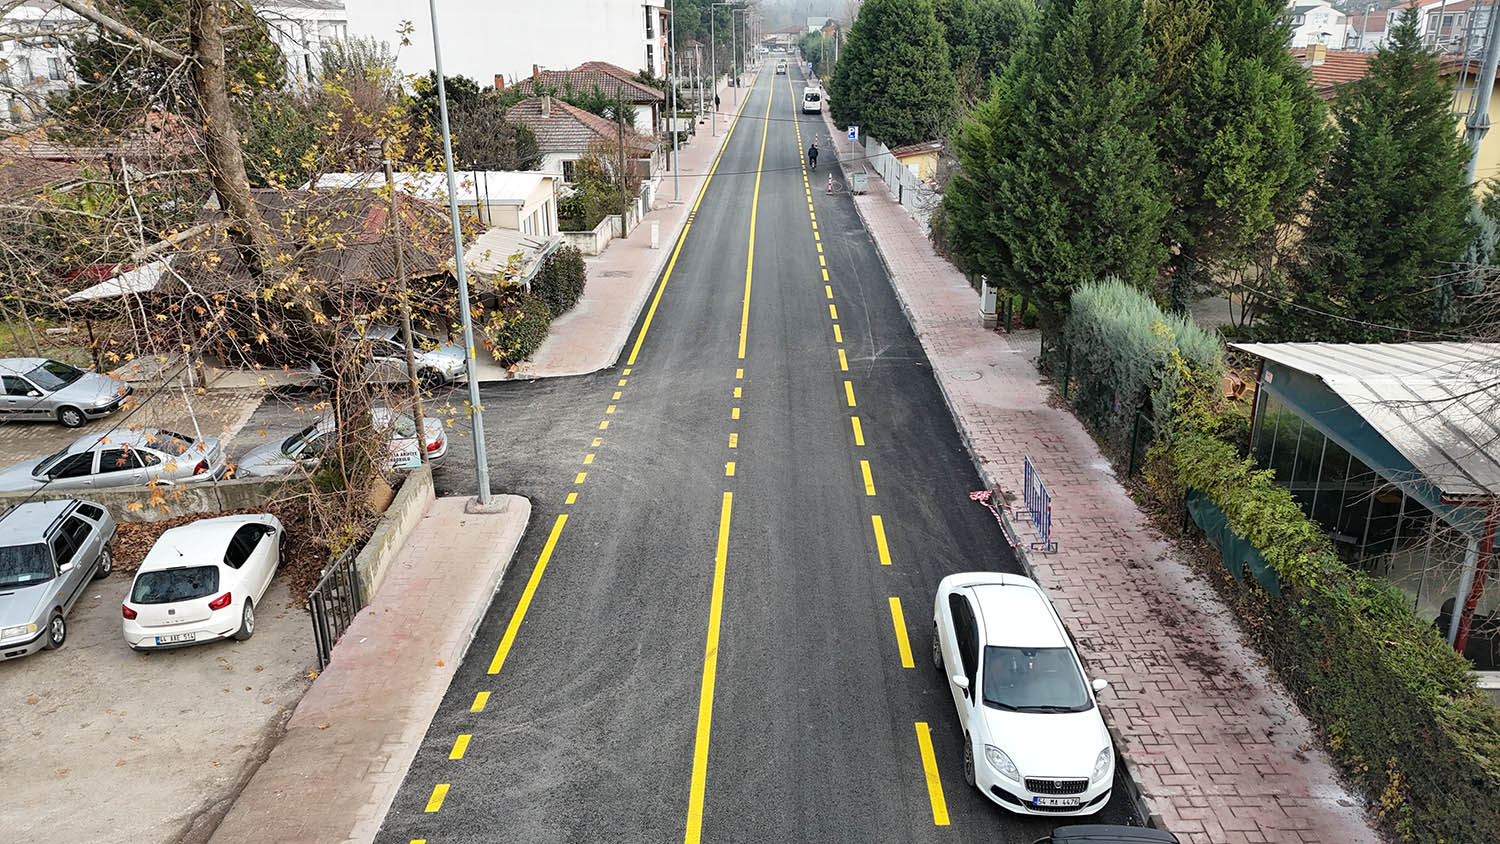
201,582
1034,740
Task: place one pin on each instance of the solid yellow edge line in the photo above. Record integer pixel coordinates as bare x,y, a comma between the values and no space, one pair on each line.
681,238
694,832
754,212
902,644
520,613
929,769
880,543
435,802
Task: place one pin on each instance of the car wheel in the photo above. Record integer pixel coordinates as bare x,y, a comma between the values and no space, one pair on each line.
106,564
968,761
70,417
247,622
57,631
429,379
937,650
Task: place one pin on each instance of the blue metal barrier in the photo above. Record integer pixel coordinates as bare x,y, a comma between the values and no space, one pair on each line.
1038,509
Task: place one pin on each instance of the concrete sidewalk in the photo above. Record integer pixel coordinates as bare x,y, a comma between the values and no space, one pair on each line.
589,337
333,775
1220,752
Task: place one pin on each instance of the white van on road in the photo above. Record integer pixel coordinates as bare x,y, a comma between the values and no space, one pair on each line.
812,100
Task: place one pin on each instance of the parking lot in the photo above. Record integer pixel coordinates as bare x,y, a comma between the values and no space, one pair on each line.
102,744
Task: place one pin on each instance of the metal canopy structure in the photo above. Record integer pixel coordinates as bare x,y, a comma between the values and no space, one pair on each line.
1438,404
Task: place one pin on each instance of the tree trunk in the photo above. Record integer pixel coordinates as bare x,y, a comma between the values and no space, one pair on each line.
226,162
1180,283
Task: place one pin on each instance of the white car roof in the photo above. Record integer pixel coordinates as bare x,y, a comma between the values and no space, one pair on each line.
200,543
1016,614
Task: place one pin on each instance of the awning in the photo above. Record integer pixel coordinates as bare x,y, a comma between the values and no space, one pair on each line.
143,279
507,256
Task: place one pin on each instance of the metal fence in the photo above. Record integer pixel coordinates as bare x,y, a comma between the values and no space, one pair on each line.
1038,508
333,603
1098,405
908,190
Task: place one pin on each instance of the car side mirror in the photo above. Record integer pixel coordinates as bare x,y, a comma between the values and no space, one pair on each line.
64,568
33,394
961,681
1100,685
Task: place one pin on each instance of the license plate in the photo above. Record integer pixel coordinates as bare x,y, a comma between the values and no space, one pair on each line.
175,637
1056,802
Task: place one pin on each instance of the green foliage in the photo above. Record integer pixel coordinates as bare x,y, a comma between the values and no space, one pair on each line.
1396,703
893,77
599,189
1125,351
514,331
1059,183
1388,218
482,138
982,35
817,50
118,84
561,279
279,137
1240,131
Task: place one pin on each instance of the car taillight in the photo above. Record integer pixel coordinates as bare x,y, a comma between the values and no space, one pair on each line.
127,611
434,445
220,602
201,467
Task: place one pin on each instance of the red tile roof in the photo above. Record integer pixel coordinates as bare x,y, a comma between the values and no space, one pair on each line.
568,128
1337,68
613,80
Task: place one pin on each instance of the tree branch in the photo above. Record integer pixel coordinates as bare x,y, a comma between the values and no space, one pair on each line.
88,11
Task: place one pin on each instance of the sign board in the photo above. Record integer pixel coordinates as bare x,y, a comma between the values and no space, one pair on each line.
853,133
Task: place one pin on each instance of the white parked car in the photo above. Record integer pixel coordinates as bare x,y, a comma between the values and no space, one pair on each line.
1034,740
202,581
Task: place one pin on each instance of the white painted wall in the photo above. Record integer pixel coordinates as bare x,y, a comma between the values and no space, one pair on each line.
483,38
301,31
34,68
1315,22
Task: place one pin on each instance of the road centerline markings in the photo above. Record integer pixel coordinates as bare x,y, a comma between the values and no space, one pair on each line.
435,802
864,469
903,645
460,745
480,700
843,361
754,213
849,392
859,431
694,832
930,771
881,546
526,595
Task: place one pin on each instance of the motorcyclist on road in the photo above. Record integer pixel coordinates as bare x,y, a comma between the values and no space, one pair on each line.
812,156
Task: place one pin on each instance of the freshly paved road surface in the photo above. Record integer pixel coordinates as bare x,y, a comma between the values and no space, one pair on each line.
697,642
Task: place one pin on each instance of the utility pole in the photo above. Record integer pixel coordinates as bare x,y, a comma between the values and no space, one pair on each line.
1478,122
476,411
713,62
620,136
672,80
413,387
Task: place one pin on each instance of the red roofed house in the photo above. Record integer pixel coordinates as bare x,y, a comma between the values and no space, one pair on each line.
564,133
610,80
1368,30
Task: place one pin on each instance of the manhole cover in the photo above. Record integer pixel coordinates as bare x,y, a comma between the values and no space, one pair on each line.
964,375
615,273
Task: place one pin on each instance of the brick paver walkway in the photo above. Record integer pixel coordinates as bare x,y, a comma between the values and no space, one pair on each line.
1221,754
349,743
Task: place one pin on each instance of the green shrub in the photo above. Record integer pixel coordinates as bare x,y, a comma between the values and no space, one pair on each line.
1128,356
561,279
514,331
1395,703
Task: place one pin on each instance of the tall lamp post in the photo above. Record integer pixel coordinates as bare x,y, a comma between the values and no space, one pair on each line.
713,57
476,413
734,52
672,80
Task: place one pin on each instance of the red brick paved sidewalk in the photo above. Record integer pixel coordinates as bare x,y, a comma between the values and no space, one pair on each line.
1219,751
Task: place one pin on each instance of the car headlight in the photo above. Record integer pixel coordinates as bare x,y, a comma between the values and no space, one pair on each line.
18,630
1101,765
1000,762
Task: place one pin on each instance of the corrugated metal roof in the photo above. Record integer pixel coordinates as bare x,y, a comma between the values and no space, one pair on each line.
142,279
1436,403
490,256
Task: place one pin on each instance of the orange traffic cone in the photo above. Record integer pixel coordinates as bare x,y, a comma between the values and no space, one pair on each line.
830,183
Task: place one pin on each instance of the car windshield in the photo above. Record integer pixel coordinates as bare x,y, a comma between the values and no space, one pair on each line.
1034,680
403,427
23,564
42,467
54,375
170,585
300,440
171,442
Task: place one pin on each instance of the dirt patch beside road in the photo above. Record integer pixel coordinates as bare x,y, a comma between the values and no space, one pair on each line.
102,744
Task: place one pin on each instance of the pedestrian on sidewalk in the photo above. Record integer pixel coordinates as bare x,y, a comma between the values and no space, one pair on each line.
716,103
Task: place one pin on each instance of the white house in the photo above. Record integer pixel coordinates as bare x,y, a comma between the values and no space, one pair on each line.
482,39
1317,22
523,201
32,68
302,28
565,133
1454,26
1369,29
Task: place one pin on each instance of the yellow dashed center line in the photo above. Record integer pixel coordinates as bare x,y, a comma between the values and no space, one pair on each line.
588,458
739,392
929,769
880,544
572,497
828,290
435,802
480,700
598,441
604,426
825,275
843,361
838,334
902,645
622,382
859,431
849,392
610,409
460,744
734,413
580,478
734,440
739,373
616,396
833,312
627,370
864,469
821,262
729,469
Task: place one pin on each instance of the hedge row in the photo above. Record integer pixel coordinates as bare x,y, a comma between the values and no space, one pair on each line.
1395,703
561,279
514,331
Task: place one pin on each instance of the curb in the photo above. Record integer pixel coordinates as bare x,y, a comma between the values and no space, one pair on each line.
1140,802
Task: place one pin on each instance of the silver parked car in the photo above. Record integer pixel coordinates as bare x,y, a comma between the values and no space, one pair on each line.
49,550
305,448
438,363
38,388
120,458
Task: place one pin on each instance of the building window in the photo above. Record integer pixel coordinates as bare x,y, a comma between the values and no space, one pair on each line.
47,40
650,60
567,171
649,32
54,69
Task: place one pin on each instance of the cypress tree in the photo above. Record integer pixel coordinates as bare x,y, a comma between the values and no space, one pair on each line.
1060,182
893,78
1388,225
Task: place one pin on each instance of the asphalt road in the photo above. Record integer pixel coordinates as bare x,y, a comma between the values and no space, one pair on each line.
688,652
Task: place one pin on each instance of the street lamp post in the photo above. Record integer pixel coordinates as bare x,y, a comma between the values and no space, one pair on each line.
713,58
734,53
476,414
672,80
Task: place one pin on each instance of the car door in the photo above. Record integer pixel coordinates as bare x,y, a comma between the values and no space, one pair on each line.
966,653
71,575
19,400
119,467
258,549
72,472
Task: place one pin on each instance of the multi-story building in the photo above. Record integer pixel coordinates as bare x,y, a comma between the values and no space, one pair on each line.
1317,22
32,68
302,28
485,45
